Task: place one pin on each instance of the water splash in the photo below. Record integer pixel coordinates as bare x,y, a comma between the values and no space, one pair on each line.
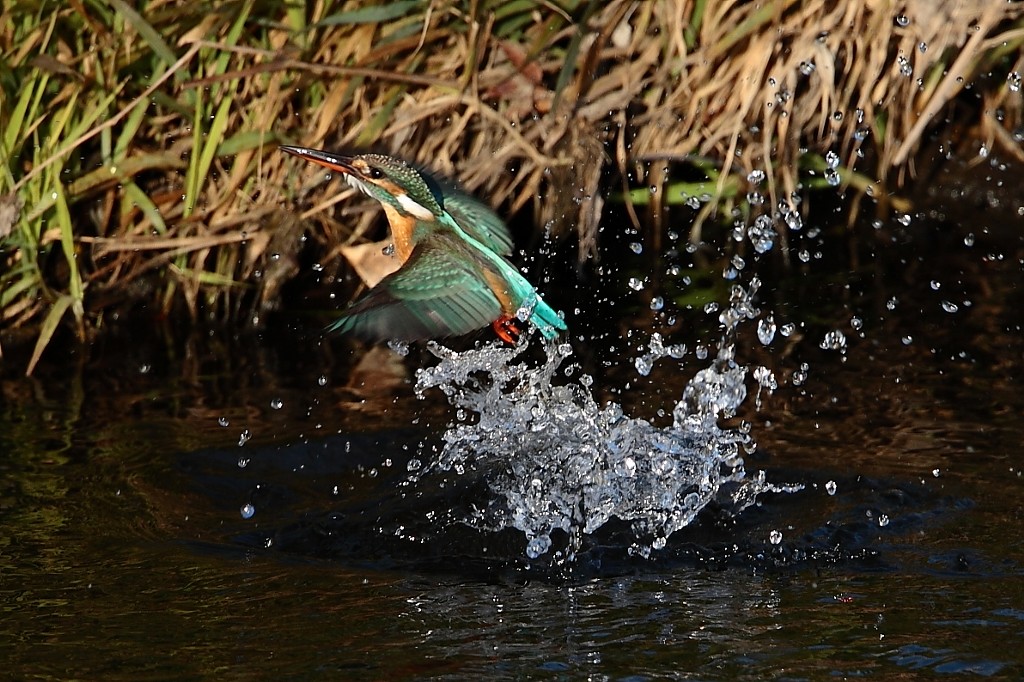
556,460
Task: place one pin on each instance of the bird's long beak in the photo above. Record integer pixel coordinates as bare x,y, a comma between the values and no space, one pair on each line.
336,162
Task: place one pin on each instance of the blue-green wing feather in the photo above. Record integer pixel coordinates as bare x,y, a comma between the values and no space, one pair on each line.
437,293
520,291
479,221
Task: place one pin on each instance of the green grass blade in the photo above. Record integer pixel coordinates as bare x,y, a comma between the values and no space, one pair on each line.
213,139
146,30
47,329
370,15
247,140
140,200
17,120
192,175
67,243
128,131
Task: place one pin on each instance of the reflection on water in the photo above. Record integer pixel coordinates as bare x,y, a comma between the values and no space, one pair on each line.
125,553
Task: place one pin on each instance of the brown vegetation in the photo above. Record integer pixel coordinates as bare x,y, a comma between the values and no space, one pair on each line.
138,149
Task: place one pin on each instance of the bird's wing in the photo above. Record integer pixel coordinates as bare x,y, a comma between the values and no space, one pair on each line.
479,221
437,293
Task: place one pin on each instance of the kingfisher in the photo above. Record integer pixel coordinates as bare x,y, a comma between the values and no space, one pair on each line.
454,276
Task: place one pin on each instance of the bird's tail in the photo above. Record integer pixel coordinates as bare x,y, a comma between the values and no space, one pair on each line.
531,307
541,315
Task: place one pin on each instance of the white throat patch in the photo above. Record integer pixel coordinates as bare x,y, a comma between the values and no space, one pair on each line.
357,183
413,208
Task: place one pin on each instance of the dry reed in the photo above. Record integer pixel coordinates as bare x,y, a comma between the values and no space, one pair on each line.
157,130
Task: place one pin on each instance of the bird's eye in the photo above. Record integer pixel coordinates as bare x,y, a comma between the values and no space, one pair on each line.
375,173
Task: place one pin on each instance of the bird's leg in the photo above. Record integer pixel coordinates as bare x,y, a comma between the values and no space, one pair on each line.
507,329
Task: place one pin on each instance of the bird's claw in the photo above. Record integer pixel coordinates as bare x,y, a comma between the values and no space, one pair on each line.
507,328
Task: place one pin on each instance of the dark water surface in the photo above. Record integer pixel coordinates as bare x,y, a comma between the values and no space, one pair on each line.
126,467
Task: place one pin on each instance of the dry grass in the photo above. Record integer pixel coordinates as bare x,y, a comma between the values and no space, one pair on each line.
138,149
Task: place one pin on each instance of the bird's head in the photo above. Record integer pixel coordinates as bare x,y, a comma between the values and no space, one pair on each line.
389,180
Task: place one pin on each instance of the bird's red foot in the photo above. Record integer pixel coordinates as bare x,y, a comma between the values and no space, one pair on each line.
507,329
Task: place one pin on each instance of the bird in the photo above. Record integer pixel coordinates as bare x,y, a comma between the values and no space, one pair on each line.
454,277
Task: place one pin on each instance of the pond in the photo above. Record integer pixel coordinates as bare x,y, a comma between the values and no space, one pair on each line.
213,503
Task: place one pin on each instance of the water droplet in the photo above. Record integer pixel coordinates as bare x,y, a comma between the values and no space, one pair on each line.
762,234
831,487
657,303
244,437
388,250
636,284
398,347
626,467
538,546
902,20
807,68
787,329
243,462
883,520
636,247
834,340
1013,80
907,340
766,328
247,511
950,307
223,421
765,378
276,404
321,380
414,464
775,537
969,239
